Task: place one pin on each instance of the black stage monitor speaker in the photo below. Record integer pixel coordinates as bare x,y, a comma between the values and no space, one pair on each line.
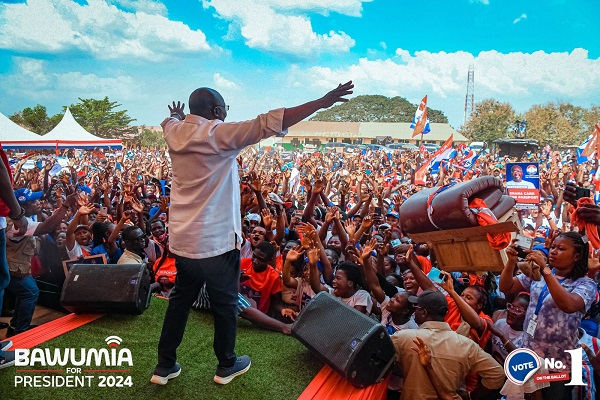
351,343
106,288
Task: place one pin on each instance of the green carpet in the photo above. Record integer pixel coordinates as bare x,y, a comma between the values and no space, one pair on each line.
281,366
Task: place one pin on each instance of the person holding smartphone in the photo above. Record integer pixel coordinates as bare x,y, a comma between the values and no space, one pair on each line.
558,301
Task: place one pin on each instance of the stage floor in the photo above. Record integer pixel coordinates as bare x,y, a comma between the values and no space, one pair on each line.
281,366
41,315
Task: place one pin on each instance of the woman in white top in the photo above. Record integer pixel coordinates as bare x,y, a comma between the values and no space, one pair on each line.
345,284
508,331
396,312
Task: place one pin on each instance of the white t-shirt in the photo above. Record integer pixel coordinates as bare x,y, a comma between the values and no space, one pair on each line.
386,318
77,251
360,298
498,350
246,250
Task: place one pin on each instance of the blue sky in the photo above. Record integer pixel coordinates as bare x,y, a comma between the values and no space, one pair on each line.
263,54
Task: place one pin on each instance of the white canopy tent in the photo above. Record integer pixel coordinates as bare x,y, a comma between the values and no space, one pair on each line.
67,134
9,131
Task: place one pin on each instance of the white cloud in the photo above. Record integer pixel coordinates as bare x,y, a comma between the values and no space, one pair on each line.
32,80
147,6
222,83
522,17
383,45
99,28
486,2
283,26
515,77
571,74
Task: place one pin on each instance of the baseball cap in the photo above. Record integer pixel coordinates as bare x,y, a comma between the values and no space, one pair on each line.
392,214
25,195
528,227
152,212
432,301
82,226
253,217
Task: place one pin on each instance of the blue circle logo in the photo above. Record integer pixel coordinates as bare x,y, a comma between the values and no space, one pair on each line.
520,365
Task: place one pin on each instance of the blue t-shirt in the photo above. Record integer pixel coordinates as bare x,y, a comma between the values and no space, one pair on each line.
101,249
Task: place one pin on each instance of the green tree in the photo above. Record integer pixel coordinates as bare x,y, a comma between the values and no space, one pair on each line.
376,108
36,119
151,138
556,124
99,118
490,120
592,118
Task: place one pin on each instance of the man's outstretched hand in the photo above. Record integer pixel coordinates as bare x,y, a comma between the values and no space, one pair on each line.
337,95
178,108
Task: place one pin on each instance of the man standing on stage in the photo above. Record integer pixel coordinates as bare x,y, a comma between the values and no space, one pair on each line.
205,225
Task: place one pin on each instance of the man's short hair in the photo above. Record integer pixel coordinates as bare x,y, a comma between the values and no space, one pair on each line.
432,301
127,232
267,248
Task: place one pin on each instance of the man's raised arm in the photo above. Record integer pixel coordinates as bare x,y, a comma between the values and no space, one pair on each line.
291,116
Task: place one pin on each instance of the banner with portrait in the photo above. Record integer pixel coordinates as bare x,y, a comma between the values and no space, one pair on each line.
523,183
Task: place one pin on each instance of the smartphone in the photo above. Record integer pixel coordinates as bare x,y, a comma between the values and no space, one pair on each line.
377,210
436,276
581,192
523,243
103,211
395,243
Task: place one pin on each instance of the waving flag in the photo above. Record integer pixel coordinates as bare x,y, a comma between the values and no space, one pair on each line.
443,153
580,157
444,159
469,159
420,123
587,149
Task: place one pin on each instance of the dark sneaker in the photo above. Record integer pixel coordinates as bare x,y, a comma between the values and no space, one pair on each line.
5,345
226,375
7,359
163,377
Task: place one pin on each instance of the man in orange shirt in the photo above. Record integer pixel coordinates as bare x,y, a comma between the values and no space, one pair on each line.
260,281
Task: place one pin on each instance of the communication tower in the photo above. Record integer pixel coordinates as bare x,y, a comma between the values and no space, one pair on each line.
470,97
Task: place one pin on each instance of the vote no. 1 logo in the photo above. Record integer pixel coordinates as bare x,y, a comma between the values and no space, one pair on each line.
520,365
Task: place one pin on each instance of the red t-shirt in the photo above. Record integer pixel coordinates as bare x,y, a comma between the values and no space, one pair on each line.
261,285
454,319
425,264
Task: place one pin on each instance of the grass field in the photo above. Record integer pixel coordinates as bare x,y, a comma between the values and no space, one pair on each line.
281,366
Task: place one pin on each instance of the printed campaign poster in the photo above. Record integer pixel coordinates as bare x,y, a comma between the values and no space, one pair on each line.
523,183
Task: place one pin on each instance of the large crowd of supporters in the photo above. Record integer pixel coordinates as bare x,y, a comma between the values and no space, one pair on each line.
330,222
